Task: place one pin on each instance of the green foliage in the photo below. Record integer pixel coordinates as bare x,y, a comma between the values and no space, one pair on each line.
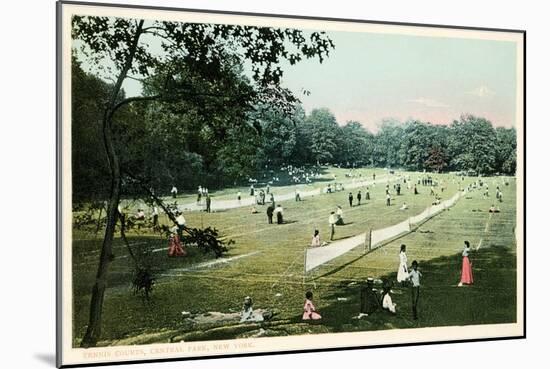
356,145
143,282
436,160
90,171
206,239
506,150
323,131
472,145
388,144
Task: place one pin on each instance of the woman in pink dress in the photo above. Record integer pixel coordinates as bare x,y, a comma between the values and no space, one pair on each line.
467,276
309,308
175,247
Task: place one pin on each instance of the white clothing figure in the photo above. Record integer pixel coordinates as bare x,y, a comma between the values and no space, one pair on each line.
387,303
248,314
403,271
415,275
180,220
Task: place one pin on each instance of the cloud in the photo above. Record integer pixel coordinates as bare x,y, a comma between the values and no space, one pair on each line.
430,103
482,91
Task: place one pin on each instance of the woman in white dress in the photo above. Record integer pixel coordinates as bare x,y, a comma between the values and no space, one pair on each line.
387,302
402,272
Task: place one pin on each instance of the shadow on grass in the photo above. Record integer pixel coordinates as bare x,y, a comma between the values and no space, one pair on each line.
345,224
122,267
491,300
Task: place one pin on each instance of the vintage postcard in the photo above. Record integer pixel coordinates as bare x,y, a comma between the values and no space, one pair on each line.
235,184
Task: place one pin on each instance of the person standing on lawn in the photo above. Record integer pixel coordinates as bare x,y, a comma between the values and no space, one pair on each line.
269,212
208,203
414,276
467,277
332,223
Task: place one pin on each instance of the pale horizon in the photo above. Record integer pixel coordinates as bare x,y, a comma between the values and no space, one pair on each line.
371,77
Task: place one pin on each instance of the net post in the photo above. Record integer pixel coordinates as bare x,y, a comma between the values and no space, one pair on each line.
370,240
305,270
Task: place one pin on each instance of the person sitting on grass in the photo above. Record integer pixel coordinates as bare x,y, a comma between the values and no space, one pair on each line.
309,309
253,210
387,303
316,239
369,300
249,315
404,206
494,209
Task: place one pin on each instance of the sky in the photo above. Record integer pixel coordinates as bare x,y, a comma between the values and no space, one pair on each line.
370,77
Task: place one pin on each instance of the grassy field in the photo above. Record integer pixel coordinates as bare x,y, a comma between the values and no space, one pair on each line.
270,268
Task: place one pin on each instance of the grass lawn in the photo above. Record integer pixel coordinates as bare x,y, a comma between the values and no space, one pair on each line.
271,267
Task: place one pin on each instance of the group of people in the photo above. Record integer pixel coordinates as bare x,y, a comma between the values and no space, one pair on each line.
277,211
202,194
250,315
296,174
359,197
427,181
139,217
413,275
370,300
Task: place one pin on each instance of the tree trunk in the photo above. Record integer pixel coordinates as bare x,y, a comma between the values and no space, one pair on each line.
93,331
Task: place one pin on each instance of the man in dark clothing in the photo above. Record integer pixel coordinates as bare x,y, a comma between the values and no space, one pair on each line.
370,301
208,202
270,210
414,276
350,198
359,198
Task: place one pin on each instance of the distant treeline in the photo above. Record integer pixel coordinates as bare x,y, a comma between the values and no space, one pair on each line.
199,143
